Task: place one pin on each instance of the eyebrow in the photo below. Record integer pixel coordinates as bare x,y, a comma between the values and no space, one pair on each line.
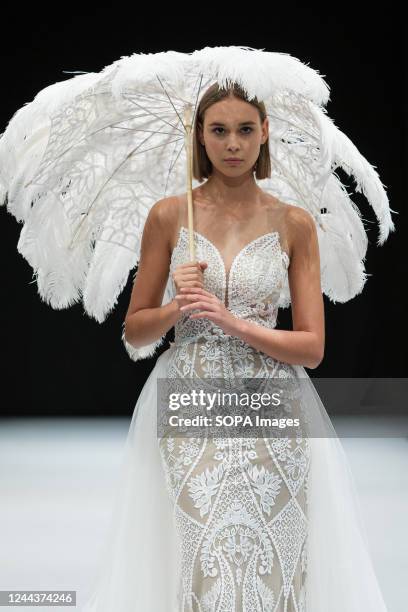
243,123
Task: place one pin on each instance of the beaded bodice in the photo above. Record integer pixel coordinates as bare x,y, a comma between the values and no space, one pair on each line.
251,290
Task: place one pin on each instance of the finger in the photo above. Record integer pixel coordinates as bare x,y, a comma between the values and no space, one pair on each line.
189,296
189,278
191,285
190,266
200,290
195,296
204,313
192,305
198,304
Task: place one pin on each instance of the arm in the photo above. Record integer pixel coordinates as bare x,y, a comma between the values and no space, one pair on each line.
305,344
146,319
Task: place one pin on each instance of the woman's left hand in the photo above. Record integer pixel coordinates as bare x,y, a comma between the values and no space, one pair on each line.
212,308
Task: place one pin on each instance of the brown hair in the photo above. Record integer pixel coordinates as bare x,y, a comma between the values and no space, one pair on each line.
202,166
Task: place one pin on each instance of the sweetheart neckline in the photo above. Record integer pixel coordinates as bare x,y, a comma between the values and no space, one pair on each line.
227,273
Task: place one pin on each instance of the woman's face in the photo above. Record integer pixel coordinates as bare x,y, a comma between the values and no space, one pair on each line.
233,128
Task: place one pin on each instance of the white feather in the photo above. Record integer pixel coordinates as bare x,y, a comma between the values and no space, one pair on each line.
82,164
261,74
345,154
106,278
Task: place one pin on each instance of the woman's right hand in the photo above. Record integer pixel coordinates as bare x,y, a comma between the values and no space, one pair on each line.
188,275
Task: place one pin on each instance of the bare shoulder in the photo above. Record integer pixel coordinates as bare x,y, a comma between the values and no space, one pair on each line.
164,209
163,215
302,231
281,209
299,219
297,223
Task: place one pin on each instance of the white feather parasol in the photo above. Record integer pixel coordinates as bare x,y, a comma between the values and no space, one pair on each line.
82,164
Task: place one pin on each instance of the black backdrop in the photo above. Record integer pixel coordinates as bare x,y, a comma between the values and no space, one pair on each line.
62,362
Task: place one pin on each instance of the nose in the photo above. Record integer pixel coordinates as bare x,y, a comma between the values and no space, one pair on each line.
232,145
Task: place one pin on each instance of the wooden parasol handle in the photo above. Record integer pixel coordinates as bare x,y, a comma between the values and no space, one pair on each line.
189,158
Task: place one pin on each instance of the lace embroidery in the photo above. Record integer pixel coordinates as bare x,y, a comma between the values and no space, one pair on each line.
240,504
241,512
255,282
252,245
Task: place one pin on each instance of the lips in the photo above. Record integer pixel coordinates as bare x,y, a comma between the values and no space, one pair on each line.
233,159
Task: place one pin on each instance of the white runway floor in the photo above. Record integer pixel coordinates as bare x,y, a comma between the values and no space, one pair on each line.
57,479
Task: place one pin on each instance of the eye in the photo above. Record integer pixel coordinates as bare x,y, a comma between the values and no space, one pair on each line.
246,127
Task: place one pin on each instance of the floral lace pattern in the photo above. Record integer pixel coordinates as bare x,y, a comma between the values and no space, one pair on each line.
240,504
253,286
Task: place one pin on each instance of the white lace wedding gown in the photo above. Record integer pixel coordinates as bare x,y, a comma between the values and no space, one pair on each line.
234,524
